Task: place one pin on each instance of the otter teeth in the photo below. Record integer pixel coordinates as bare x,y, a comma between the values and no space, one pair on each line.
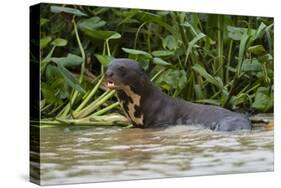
110,84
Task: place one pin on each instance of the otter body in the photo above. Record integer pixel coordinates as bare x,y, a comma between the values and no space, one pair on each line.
147,106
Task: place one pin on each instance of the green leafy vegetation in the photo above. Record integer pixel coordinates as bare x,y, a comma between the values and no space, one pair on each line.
205,58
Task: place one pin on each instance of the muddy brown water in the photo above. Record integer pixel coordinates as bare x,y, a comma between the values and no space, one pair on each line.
94,154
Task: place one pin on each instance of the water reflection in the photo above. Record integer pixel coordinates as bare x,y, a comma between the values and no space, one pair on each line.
72,155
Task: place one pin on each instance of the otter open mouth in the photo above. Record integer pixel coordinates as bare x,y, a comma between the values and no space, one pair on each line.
110,84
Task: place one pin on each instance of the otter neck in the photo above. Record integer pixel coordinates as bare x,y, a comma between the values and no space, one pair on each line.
132,100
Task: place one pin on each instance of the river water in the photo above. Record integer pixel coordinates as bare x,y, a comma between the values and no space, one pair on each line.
94,154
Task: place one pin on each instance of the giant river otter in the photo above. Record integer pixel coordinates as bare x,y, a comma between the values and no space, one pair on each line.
147,106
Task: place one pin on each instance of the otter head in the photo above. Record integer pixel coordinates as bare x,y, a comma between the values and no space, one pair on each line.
123,72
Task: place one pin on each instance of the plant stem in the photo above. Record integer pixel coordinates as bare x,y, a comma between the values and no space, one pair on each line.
107,47
74,123
148,38
228,61
92,93
81,50
106,109
75,94
137,35
94,105
46,60
67,108
157,74
220,47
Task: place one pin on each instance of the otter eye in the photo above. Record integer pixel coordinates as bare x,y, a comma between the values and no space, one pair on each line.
122,70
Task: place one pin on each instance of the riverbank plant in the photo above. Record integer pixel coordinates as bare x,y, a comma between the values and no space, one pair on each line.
213,59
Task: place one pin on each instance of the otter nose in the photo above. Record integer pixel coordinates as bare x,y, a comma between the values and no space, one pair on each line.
108,73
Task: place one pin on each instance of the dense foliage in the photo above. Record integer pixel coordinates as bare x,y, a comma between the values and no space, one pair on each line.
206,58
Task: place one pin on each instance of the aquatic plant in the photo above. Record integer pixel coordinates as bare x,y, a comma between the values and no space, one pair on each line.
206,58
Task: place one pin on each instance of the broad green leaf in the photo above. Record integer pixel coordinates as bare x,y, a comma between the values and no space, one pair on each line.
160,61
163,53
265,58
242,47
43,21
127,16
59,42
172,79
219,80
100,35
104,59
180,76
148,17
235,33
59,86
188,25
91,23
60,9
209,78
49,94
114,36
257,49
196,39
169,42
142,60
262,102
239,99
44,42
55,89
68,61
136,52
260,31
52,72
251,65
163,13
70,79
145,16
198,91
192,43
262,90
